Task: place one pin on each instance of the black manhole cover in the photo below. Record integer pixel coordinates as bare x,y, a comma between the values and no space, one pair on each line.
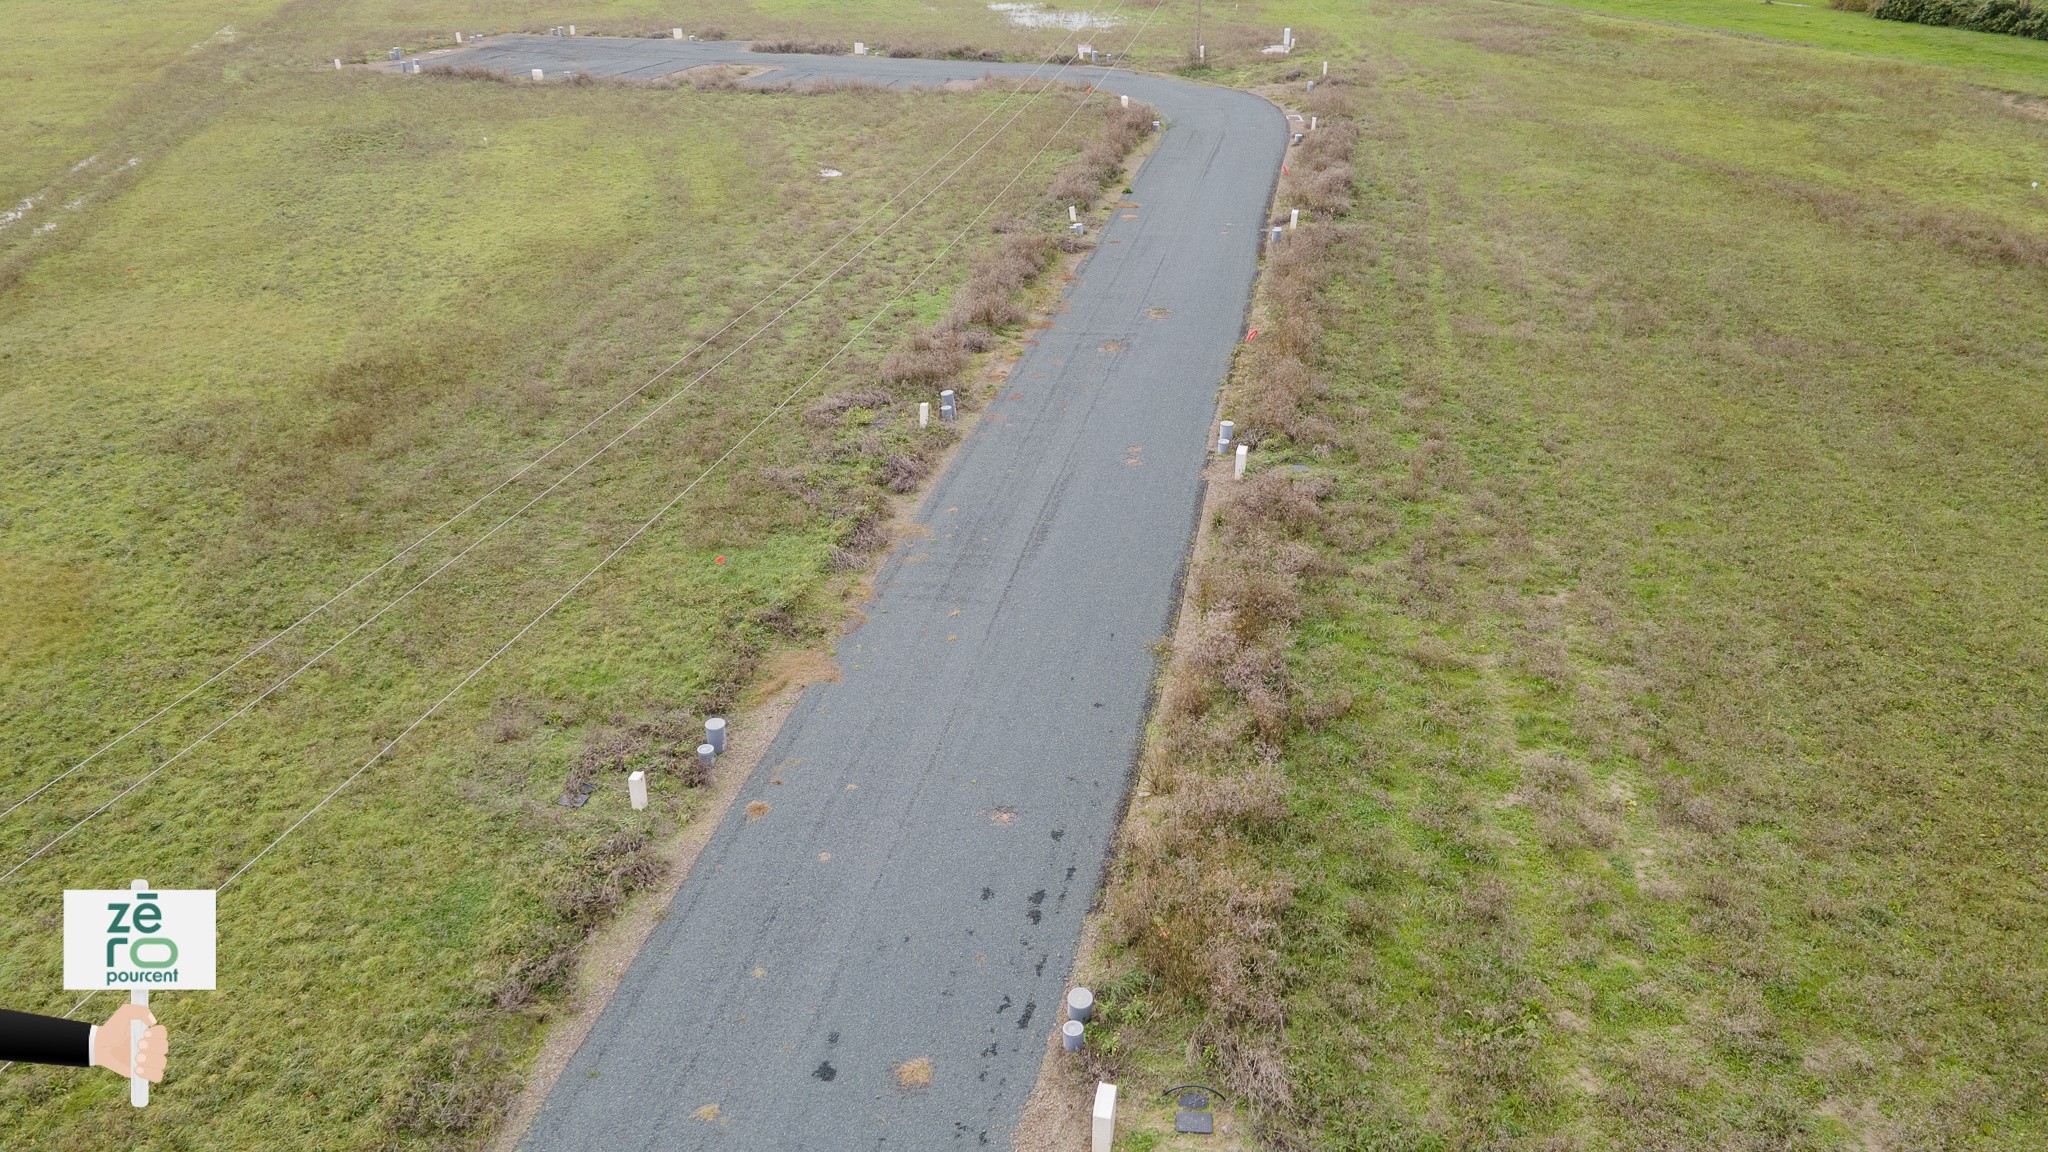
1194,1117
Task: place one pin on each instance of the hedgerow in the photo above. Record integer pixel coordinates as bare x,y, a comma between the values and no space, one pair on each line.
2009,17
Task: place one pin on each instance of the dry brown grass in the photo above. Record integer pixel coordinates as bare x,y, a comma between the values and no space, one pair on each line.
800,48
927,359
1083,178
915,1073
1190,897
902,473
832,407
987,303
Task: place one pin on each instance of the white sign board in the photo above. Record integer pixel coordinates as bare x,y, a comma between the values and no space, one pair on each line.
138,941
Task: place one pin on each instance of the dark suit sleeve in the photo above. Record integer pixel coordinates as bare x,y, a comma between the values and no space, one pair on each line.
35,1039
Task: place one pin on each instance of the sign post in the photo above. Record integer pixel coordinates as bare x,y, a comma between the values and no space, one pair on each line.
140,940
138,1088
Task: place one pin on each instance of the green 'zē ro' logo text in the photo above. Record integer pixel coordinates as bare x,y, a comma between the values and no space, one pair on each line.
135,925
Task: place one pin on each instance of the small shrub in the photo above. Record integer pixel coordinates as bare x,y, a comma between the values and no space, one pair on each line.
799,48
902,473
1085,176
926,360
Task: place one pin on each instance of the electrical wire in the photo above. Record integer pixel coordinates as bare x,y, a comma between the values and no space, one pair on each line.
395,557
281,682
650,522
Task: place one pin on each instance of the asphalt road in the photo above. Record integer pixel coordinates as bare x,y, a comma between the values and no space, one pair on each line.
943,813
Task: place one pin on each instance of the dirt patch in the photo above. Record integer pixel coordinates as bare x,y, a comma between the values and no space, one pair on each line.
914,1073
794,671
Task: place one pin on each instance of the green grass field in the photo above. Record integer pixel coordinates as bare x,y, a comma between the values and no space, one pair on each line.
1677,605
1681,565
2006,62
324,315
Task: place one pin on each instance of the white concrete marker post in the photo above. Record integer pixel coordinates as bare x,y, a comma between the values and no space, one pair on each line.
1073,213
1313,121
924,413
1243,451
677,33
1326,67
1126,100
337,63
572,29
1202,53
458,37
859,49
1223,434
536,73
636,787
1103,1135
1293,219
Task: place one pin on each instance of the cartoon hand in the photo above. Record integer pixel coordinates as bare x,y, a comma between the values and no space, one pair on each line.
110,1044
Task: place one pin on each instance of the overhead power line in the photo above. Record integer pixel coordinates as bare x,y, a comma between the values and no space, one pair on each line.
283,681
651,521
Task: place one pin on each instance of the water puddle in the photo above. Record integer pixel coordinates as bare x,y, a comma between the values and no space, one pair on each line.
1040,16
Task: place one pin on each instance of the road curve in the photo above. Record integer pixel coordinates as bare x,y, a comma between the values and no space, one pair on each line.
943,813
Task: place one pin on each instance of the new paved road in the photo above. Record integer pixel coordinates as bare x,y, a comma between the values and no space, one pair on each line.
918,886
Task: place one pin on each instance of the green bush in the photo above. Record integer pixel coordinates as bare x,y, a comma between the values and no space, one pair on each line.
2010,17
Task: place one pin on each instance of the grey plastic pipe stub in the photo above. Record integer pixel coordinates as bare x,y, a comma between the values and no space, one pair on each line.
1080,1005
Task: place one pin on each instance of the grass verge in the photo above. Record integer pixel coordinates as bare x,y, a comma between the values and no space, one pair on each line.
1631,743
297,338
